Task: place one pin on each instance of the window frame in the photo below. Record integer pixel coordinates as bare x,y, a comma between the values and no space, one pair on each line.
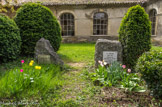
100,25
153,19
67,22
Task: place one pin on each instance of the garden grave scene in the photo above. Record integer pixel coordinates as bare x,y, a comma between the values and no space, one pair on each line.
36,69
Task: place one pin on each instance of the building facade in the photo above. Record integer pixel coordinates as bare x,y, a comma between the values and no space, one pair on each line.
88,20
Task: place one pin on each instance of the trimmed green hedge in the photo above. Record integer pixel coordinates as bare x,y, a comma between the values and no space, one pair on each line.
150,66
36,21
135,35
10,40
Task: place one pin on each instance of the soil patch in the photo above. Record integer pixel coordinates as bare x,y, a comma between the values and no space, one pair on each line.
115,96
77,64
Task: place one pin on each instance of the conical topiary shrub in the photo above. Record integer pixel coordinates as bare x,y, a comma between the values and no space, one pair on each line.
135,35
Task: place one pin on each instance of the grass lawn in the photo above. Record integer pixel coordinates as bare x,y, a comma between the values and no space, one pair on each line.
83,52
81,90
68,88
156,48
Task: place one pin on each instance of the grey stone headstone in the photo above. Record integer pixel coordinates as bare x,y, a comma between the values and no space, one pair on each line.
45,53
44,59
107,50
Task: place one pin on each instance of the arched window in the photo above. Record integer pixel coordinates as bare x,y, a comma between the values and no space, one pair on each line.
152,16
100,20
67,24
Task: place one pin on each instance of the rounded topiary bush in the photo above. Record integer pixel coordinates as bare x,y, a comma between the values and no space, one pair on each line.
135,35
36,21
10,40
150,67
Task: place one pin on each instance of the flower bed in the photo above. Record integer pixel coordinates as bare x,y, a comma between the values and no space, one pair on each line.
117,75
29,80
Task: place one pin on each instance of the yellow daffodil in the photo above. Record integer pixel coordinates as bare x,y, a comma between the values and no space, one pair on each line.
37,67
32,61
30,64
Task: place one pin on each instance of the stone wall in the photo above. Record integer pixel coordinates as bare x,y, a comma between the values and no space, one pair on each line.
158,6
84,18
82,39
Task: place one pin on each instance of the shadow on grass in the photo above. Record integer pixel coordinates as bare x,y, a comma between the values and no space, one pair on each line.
65,58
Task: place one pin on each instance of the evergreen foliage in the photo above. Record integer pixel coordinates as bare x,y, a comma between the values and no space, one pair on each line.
10,40
135,35
150,66
36,21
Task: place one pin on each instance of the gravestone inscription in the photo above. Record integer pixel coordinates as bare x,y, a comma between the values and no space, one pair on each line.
107,50
110,56
46,59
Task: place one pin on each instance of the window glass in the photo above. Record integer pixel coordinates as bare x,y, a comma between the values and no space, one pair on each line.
152,16
100,24
67,24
